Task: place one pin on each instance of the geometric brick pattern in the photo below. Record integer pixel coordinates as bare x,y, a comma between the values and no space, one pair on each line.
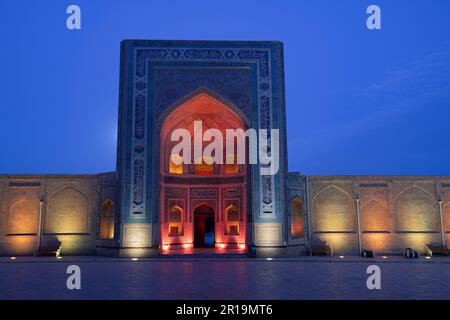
67,212
23,216
446,212
374,216
416,211
334,210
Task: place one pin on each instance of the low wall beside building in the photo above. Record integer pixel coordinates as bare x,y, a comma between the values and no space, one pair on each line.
394,212
381,213
67,205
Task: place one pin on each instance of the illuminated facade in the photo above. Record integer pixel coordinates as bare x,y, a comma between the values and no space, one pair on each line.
156,204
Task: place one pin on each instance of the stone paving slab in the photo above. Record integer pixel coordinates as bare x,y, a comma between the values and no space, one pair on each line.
180,279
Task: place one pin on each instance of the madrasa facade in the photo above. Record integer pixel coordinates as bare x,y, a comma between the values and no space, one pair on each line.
152,205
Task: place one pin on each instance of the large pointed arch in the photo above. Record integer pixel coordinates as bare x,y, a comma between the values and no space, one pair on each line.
201,91
204,107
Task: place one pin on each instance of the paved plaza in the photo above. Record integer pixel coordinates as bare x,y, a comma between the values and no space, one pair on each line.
222,278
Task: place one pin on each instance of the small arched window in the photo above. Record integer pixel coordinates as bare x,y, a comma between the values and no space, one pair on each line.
232,223
231,166
297,225
175,164
204,168
175,221
107,218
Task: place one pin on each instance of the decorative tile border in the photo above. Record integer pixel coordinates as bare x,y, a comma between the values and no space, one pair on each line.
142,56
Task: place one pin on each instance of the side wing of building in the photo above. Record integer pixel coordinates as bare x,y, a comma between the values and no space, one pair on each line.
385,214
78,211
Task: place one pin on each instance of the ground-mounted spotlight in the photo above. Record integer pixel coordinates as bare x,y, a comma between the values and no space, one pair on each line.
134,259
269,259
427,257
384,257
13,258
341,257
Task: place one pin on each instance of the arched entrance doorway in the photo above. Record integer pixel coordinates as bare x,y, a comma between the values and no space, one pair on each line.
204,231
202,192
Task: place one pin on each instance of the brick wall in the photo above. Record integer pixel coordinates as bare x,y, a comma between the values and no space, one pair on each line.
395,212
69,212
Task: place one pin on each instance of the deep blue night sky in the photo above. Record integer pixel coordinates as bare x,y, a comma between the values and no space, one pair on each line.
358,101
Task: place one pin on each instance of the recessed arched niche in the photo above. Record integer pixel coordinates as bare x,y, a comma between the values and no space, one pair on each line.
416,210
446,211
297,219
232,220
212,114
67,213
374,216
175,221
334,210
107,220
23,217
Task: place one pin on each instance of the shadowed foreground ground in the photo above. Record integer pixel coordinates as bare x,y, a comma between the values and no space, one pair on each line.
307,278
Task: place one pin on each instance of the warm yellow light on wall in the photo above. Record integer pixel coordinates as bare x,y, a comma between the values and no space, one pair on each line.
107,219
417,241
334,210
378,242
338,242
